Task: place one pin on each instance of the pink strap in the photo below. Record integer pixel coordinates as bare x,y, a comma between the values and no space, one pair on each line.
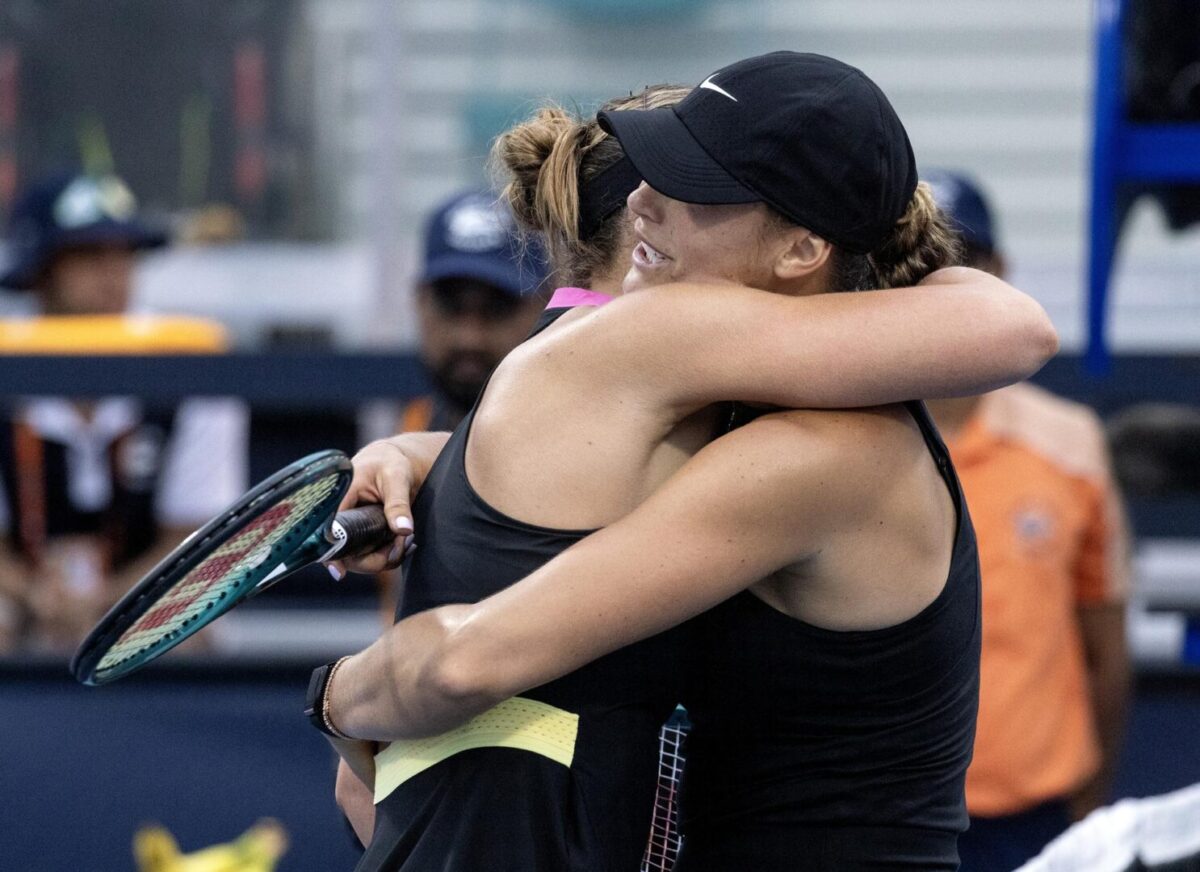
566,298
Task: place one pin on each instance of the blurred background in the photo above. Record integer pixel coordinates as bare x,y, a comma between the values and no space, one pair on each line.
292,152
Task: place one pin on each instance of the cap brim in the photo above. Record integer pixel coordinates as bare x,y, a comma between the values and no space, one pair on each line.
669,158
512,279
24,273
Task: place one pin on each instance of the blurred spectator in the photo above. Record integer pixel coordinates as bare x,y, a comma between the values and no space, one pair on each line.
1053,550
476,299
96,491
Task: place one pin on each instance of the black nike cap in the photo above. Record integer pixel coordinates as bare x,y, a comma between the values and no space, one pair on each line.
809,135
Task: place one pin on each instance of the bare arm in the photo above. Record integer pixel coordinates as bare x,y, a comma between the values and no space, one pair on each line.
959,332
1102,628
356,800
678,554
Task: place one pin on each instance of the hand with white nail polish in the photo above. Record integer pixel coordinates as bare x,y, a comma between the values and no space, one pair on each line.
389,472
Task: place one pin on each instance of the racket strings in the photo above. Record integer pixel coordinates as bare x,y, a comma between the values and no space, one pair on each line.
665,838
200,592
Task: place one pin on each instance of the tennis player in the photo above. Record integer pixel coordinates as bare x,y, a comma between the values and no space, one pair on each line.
848,525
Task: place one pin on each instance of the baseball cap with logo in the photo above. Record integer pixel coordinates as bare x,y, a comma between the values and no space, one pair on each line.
70,210
809,135
473,236
964,204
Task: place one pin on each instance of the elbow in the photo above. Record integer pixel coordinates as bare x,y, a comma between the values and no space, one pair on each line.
1033,339
1042,337
463,674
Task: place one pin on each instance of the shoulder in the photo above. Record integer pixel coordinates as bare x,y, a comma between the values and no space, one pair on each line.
841,451
1064,433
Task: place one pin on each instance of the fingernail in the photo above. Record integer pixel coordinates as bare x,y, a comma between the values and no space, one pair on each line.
402,523
410,549
395,554
337,574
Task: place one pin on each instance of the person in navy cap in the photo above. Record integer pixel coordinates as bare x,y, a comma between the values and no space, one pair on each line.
74,239
476,299
961,199
94,491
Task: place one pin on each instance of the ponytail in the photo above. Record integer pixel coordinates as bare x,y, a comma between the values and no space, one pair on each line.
545,161
920,243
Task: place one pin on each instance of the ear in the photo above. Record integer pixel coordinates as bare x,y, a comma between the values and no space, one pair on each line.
801,254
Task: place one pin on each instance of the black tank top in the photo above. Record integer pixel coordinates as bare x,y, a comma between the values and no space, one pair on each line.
821,750
505,810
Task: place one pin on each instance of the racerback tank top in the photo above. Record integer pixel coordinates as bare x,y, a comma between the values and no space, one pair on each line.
822,750
507,810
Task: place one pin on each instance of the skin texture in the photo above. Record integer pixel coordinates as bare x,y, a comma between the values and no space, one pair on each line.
89,281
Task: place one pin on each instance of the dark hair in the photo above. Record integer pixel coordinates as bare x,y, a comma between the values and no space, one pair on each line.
544,162
921,242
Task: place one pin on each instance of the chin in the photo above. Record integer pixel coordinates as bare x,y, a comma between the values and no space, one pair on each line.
638,280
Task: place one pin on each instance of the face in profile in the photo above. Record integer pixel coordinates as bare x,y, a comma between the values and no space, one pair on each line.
93,280
467,326
676,241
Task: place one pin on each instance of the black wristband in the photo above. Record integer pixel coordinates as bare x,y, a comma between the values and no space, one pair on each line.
315,702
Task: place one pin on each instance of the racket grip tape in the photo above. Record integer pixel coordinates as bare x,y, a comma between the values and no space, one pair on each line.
366,529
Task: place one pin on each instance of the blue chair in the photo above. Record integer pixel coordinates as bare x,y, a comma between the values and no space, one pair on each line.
1123,152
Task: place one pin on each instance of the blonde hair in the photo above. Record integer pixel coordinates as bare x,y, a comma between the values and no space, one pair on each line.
544,161
921,242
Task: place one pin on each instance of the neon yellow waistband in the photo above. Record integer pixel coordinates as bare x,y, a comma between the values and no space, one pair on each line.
523,724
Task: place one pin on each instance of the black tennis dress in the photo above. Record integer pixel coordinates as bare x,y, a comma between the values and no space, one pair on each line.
820,750
504,810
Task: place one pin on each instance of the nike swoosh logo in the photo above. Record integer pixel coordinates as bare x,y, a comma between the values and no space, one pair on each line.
708,83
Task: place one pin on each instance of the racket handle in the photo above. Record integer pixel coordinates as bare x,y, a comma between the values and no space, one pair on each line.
365,530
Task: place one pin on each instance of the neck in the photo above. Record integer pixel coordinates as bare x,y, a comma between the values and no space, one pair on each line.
951,415
609,281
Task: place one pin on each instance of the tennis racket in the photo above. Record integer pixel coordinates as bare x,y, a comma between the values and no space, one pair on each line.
662,849
286,522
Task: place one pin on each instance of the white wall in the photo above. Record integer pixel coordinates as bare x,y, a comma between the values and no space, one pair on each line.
999,88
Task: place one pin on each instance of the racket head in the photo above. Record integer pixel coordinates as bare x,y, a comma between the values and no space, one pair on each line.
215,568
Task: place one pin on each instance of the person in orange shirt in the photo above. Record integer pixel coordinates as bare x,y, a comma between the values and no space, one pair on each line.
1054,559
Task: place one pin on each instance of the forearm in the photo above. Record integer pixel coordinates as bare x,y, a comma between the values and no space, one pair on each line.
15,575
356,800
408,683
1109,682
665,562
1110,689
960,332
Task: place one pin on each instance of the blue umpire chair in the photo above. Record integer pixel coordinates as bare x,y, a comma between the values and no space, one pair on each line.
1124,153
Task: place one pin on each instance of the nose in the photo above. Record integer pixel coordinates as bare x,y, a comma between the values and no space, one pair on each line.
645,202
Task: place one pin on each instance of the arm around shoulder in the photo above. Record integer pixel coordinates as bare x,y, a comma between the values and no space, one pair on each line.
746,505
959,332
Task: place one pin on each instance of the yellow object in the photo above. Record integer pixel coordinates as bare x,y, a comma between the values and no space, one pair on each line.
523,724
112,334
256,850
